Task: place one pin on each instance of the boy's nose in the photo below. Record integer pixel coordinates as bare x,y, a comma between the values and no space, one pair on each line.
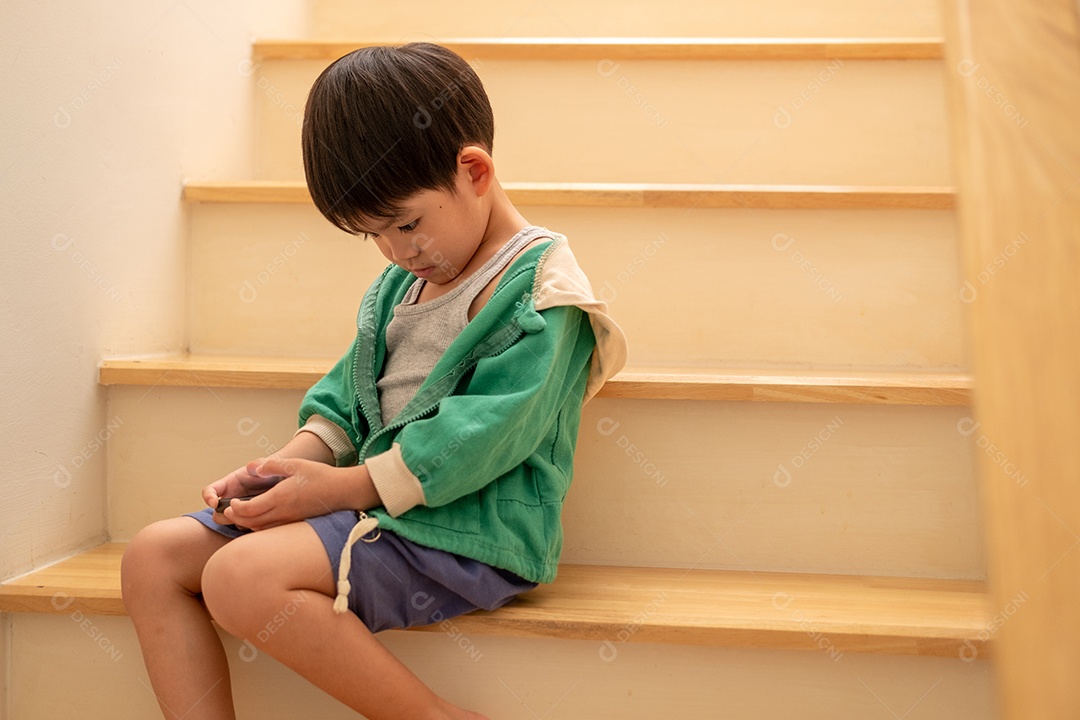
404,250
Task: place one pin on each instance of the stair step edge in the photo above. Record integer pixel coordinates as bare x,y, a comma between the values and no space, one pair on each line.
889,388
908,616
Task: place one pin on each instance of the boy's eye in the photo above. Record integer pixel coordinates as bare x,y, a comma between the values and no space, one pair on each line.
410,227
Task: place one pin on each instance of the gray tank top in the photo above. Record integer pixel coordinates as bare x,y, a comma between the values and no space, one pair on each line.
419,333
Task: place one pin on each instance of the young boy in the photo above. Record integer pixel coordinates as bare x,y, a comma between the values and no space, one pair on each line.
443,439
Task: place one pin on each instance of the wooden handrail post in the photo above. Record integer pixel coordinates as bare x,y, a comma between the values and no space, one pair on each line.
1014,79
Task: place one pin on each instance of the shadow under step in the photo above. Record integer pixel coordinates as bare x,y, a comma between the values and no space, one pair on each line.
833,613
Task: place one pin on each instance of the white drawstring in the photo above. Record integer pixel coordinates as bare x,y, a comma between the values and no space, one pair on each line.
364,526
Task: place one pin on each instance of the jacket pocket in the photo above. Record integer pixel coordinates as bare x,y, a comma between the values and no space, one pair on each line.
519,485
460,516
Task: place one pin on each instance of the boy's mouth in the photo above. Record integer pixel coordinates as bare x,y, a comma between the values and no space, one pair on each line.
422,272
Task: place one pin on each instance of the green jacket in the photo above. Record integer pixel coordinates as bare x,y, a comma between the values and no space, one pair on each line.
478,463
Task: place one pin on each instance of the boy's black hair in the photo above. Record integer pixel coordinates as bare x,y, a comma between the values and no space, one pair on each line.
383,123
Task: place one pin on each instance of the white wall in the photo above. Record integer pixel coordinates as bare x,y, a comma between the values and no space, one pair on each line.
107,108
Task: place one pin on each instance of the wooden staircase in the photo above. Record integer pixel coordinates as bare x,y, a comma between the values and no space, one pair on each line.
773,512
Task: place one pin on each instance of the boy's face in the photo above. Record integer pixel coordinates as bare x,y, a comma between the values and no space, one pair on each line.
436,234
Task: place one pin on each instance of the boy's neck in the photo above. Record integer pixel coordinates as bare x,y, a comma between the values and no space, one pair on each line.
504,220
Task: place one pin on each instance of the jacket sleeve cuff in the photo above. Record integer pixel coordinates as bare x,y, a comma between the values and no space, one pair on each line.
335,438
398,488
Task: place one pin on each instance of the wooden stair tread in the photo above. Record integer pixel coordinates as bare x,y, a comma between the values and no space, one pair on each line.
632,48
906,387
611,605
89,582
631,195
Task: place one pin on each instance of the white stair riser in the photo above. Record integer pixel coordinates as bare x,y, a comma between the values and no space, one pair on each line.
760,486
853,489
428,20
79,667
776,122
874,289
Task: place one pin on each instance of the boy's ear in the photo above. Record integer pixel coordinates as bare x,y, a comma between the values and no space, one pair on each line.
478,168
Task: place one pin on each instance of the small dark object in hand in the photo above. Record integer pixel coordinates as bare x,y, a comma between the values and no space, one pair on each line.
224,502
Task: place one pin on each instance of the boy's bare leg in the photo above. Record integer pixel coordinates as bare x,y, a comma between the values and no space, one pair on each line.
161,577
275,589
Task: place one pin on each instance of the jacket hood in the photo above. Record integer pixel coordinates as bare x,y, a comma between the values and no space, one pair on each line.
560,281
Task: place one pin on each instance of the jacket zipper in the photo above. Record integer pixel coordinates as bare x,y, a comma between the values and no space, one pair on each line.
459,371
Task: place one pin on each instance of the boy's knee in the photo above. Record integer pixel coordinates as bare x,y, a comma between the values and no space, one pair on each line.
145,565
229,582
165,556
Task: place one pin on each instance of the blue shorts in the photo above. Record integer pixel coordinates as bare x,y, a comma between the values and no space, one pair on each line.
397,583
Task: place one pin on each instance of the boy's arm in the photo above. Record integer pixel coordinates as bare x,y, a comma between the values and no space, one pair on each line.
321,444
327,412
308,446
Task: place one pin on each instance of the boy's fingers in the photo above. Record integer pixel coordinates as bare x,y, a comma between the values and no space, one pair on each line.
242,514
248,509
252,467
223,487
274,467
212,493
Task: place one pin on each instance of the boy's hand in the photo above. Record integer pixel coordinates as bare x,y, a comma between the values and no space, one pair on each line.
238,483
297,489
